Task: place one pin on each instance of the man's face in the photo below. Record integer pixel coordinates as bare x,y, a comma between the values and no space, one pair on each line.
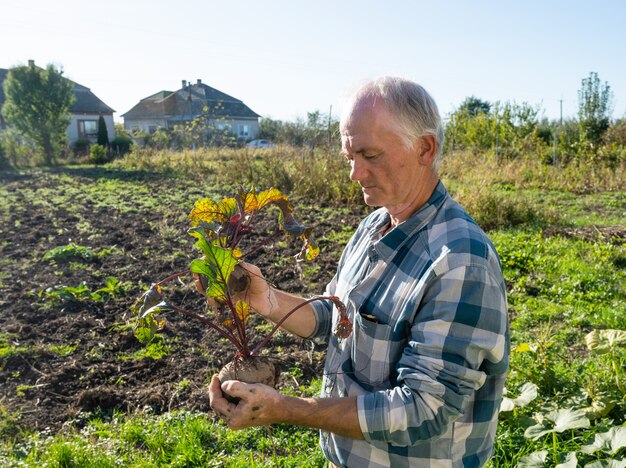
389,173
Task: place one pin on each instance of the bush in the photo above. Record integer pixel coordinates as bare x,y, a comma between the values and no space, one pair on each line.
121,145
17,150
98,154
492,209
81,146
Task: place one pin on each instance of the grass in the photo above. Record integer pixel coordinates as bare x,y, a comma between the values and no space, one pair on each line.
173,439
560,288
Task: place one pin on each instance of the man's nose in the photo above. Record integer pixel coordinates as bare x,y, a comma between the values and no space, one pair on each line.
357,169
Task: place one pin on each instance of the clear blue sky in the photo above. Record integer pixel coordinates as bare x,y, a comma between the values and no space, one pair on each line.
285,58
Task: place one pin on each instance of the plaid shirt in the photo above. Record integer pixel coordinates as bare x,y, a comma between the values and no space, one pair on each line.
429,351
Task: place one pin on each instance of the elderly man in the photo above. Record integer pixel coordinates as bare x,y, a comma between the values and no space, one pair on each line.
420,379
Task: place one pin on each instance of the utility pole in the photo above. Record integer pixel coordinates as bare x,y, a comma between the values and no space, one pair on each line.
330,113
557,129
497,132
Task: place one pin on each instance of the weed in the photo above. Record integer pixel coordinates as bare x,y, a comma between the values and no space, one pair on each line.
69,252
10,346
73,294
63,349
20,391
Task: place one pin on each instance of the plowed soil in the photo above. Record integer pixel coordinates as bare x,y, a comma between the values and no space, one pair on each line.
62,361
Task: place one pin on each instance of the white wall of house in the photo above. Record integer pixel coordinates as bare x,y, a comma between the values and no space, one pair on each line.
241,128
146,125
85,122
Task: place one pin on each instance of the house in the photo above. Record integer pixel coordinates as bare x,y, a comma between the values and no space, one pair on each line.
167,109
85,112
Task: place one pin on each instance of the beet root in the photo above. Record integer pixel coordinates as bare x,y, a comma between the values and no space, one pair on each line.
250,370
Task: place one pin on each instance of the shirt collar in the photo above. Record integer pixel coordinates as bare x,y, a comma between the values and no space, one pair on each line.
387,245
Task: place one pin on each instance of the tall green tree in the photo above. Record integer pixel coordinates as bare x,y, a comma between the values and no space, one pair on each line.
594,108
37,105
474,106
103,134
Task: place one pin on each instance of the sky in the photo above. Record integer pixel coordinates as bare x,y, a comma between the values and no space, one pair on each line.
285,58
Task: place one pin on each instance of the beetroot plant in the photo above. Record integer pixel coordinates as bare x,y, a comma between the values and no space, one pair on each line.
226,233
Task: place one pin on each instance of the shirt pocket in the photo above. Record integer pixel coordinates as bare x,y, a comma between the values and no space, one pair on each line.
371,350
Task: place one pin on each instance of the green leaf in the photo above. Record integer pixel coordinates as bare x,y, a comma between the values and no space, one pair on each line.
609,463
147,328
537,431
558,421
528,392
603,341
566,419
217,266
525,348
611,441
600,407
570,461
534,460
202,243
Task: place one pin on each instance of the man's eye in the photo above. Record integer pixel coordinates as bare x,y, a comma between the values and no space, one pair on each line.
371,155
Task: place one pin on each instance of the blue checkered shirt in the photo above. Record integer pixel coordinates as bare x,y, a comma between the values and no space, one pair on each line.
428,355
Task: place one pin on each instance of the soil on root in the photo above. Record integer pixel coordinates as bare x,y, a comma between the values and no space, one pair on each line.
62,361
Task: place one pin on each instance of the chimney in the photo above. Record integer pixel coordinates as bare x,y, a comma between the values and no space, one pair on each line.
184,84
199,81
31,63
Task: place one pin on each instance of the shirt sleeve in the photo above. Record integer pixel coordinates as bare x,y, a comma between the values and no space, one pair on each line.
323,311
458,340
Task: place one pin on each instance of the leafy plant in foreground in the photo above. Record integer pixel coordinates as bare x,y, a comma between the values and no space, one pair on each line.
219,229
607,342
63,294
69,252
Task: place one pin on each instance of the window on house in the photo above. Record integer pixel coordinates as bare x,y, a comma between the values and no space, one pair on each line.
88,128
152,129
244,130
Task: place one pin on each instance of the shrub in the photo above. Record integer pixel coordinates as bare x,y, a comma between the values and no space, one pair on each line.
81,146
121,145
98,154
492,209
103,135
17,150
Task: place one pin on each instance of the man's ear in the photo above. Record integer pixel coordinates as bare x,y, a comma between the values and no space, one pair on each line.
427,149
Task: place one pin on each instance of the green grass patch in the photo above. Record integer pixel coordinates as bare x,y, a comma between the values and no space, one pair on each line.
173,439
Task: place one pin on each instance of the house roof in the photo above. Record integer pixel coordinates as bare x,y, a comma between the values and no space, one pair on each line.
190,101
86,101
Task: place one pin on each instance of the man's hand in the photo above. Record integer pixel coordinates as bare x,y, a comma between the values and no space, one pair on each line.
258,403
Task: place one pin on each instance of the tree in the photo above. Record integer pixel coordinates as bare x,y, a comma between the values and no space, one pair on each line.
317,130
37,105
474,106
103,134
594,109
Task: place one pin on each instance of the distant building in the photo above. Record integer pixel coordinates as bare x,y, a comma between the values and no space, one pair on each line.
167,109
85,112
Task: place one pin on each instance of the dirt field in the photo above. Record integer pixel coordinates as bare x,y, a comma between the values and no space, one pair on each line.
65,360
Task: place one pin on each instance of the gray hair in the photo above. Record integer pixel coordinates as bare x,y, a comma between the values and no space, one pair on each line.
415,110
